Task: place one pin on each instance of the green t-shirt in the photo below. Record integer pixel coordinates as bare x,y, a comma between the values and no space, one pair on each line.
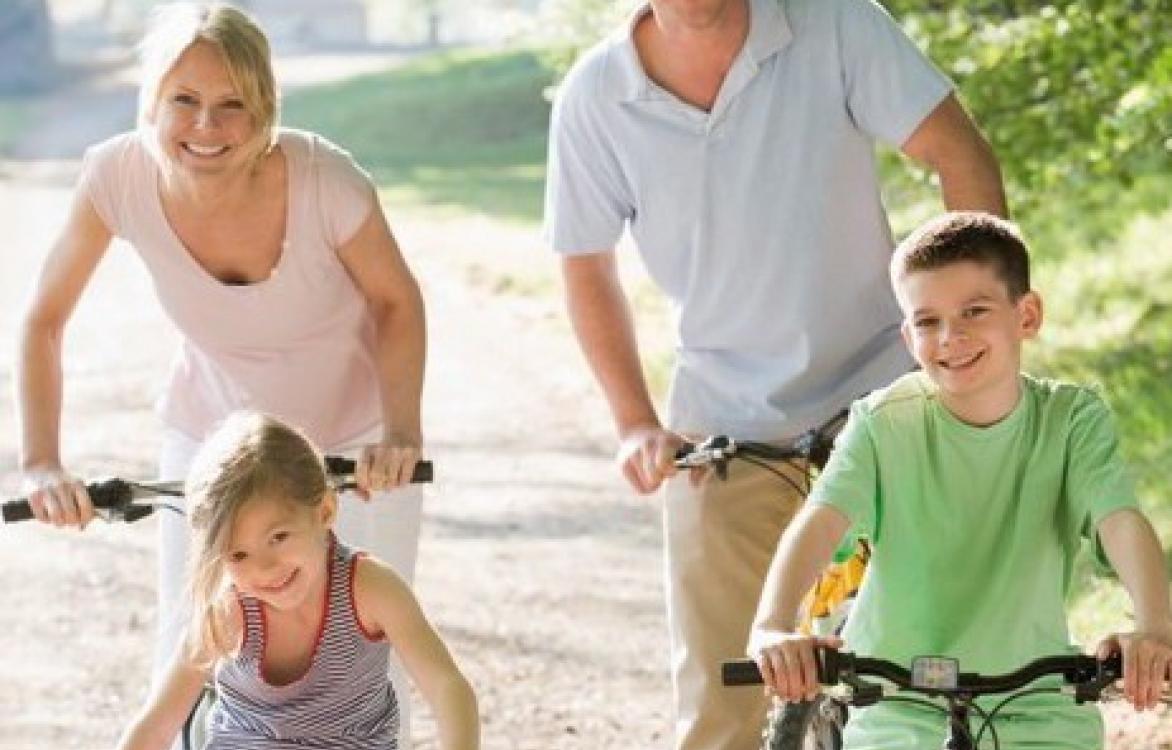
974,533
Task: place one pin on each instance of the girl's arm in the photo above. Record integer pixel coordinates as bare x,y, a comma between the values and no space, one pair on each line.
1134,552
55,497
159,722
385,603
786,658
374,262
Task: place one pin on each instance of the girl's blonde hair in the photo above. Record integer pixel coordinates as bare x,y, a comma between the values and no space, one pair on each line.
174,27
249,455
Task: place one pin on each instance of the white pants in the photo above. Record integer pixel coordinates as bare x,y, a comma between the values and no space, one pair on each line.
387,527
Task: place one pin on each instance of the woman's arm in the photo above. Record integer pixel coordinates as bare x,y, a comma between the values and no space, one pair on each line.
1134,552
374,262
385,603
160,721
54,496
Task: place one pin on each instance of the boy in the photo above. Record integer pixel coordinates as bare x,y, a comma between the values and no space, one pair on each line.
975,484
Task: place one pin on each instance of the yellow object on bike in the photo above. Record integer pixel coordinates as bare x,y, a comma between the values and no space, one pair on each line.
828,603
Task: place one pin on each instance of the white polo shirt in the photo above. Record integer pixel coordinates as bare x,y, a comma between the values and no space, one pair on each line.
761,220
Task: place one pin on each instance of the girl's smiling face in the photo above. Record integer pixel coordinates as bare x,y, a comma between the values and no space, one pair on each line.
966,333
277,550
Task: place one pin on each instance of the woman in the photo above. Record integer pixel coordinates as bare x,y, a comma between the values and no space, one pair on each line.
269,251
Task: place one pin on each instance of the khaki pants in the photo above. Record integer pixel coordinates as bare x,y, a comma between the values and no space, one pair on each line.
720,539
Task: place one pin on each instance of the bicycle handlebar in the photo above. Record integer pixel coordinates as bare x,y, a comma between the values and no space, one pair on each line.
117,495
836,667
813,445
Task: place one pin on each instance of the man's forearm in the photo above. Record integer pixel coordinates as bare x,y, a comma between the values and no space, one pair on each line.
972,181
602,323
949,143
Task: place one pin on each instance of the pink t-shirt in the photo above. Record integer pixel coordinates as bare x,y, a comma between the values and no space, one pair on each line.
299,345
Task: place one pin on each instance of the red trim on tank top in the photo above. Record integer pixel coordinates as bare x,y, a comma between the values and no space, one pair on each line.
375,637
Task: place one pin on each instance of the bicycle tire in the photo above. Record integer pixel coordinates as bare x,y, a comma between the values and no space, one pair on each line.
809,725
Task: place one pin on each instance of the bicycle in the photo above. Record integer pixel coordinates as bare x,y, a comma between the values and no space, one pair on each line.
122,500
1084,678
827,605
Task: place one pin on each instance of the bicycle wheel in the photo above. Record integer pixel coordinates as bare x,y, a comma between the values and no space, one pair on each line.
809,725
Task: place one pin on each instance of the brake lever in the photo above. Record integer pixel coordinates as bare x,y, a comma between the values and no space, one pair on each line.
715,453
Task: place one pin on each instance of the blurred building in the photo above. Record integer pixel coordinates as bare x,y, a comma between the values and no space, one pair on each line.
288,23
351,23
26,46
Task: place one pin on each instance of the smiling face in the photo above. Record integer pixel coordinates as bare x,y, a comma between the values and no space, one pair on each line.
277,549
202,124
965,331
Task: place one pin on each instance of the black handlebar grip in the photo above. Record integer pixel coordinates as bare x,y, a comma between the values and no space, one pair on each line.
338,465
828,663
1112,666
17,510
740,672
108,493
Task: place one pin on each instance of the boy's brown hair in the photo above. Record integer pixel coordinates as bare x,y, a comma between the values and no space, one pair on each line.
966,236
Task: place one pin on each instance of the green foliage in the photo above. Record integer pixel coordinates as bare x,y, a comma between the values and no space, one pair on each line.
1075,96
1110,322
455,129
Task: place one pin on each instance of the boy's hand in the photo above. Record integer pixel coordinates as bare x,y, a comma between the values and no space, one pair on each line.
1147,661
787,663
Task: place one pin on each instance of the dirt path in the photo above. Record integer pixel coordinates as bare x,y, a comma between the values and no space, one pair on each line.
537,565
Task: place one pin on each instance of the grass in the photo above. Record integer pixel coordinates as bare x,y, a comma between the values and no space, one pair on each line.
461,131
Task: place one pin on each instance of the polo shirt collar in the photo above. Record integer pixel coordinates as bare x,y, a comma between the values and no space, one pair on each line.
769,33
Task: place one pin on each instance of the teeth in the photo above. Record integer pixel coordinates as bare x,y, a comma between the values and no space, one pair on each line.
205,150
956,363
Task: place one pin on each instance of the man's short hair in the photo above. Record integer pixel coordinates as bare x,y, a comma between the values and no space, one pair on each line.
966,236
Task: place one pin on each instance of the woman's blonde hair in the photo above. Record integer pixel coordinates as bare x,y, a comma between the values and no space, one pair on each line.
249,455
174,27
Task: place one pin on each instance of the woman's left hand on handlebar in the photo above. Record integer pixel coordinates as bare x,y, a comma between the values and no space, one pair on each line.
1147,664
387,464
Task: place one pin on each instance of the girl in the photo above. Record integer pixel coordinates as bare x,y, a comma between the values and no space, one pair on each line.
295,626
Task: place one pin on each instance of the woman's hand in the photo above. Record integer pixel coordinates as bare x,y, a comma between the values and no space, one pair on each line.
787,662
1147,664
57,498
387,464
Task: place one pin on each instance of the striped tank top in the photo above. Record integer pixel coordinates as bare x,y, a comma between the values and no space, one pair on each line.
344,701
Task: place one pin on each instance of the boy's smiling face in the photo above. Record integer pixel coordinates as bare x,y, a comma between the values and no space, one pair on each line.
965,332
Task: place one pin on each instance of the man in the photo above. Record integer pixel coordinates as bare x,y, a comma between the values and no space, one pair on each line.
734,138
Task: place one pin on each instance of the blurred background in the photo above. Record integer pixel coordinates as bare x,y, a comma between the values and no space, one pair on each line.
446,103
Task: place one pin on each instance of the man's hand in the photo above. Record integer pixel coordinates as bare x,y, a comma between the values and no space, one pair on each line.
647,456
